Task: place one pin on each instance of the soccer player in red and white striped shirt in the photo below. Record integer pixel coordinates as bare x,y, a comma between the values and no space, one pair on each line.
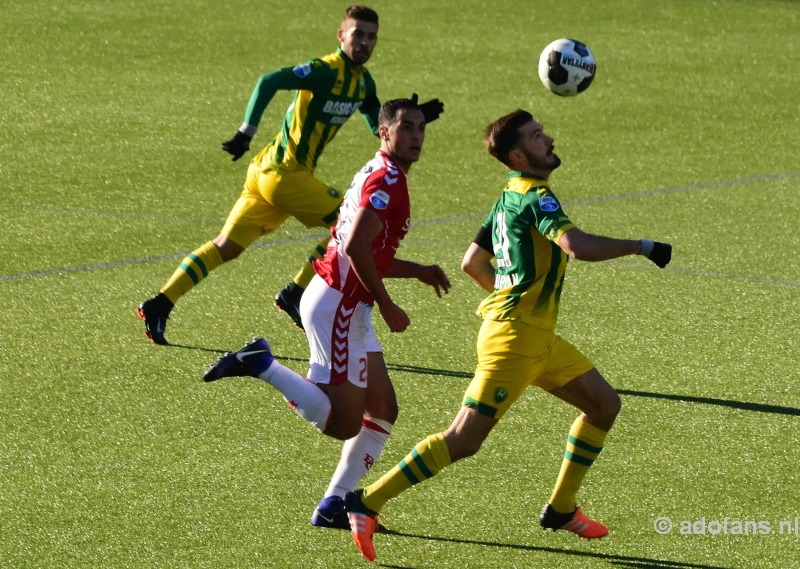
348,394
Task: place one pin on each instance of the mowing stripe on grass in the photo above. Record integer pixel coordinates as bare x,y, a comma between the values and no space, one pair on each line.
431,222
108,265
438,221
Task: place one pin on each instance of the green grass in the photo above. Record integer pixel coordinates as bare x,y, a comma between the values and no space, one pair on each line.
113,452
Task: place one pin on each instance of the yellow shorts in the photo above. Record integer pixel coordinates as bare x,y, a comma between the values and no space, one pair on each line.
270,197
513,355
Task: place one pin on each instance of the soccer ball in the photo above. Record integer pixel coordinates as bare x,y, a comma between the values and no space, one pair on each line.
566,67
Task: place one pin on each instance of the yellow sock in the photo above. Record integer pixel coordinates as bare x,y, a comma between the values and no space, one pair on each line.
307,273
425,461
584,443
193,269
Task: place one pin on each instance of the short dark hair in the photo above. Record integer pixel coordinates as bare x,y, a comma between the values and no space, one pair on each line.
362,14
502,136
390,108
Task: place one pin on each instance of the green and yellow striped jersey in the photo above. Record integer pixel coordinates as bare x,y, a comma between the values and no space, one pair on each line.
328,91
526,223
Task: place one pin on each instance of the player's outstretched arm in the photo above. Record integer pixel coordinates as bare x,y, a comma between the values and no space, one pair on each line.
286,78
589,247
659,253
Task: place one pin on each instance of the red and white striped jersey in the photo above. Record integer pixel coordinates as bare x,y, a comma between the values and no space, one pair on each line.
380,186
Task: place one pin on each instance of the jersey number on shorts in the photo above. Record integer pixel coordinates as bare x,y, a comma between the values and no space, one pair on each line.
362,374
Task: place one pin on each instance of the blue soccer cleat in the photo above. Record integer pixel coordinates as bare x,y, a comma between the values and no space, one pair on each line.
330,513
251,360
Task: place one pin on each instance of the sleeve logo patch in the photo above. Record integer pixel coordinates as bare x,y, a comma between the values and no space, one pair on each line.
302,70
379,200
548,203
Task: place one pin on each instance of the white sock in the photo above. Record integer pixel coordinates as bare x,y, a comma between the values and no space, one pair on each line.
358,456
302,395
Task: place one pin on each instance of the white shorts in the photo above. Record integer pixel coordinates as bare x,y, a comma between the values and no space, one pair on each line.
340,334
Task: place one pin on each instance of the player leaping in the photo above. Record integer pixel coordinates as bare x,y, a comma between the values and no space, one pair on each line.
280,179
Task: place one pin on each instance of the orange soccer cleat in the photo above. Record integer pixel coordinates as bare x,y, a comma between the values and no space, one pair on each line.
576,522
363,524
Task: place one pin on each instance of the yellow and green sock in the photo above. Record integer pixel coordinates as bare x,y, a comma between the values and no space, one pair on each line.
306,273
584,444
192,270
424,461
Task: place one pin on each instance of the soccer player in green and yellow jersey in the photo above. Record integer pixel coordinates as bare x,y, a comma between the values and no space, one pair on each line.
530,239
280,179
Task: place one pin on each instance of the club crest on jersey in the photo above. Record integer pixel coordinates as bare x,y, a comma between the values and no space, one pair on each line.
379,200
302,70
548,203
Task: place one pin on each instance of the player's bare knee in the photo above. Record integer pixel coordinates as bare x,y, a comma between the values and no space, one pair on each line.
229,253
228,250
230,256
383,408
388,412
465,449
461,446
610,406
339,432
604,412
615,405
471,448
343,430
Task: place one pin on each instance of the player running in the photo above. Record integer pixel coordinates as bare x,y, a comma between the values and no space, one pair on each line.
280,179
348,394
531,238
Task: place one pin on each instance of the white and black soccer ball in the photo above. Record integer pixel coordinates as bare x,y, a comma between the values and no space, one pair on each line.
567,67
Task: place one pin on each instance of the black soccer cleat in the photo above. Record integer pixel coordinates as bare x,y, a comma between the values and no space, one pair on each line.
288,301
251,360
155,311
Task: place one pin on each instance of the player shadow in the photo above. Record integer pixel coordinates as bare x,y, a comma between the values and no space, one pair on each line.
732,404
743,405
613,559
198,348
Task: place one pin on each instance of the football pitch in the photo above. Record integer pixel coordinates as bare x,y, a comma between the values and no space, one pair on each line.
115,453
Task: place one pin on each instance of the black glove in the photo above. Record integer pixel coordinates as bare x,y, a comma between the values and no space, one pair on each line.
238,145
659,253
430,109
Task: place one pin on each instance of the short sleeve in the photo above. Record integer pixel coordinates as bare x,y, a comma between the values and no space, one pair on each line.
543,211
375,195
